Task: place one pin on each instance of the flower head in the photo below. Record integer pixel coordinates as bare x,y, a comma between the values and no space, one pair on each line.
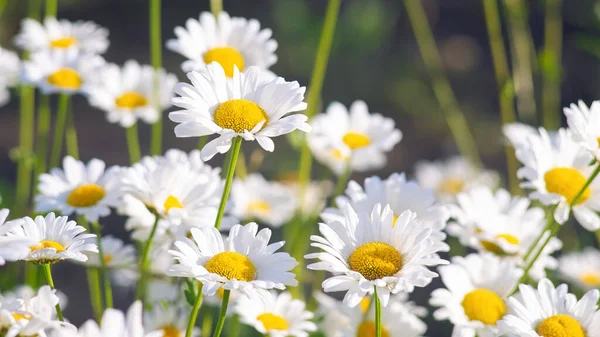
119,258
11,248
10,66
584,124
581,268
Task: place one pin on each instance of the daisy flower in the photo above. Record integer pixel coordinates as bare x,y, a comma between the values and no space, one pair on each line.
584,123
581,268
232,42
168,321
11,248
352,138
10,66
450,177
276,315
314,199
217,299
119,258
126,94
473,299
518,133
551,312
243,107
24,294
87,190
54,239
370,250
62,71
86,36
557,171
244,261
267,202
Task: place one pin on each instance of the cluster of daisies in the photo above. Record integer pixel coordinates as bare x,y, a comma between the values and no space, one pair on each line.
202,236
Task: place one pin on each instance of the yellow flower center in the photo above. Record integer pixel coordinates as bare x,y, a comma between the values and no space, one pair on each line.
65,78
567,182
591,279
48,244
365,303
232,265
239,115
170,331
337,154
560,326
86,195
259,206
367,329
356,140
131,100
171,202
375,260
63,42
19,317
107,258
452,186
492,247
227,57
273,322
484,305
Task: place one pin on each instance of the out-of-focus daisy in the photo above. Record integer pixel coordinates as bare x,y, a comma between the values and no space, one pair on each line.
352,137
126,94
86,36
551,312
169,321
584,124
232,42
243,107
557,171
276,315
371,250
455,175
163,290
314,198
62,71
581,268
243,261
119,258
24,294
11,248
10,66
267,202
88,190
54,239
475,293
518,133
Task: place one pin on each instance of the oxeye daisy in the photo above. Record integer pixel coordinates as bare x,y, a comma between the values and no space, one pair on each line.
352,138
168,321
62,71
86,36
232,42
551,312
53,239
244,261
474,297
557,170
10,66
584,123
581,268
276,315
364,252
126,94
119,258
11,248
243,107
518,133
267,202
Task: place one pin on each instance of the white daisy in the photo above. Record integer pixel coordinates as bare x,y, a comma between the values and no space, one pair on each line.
267,202
314,198
354,137
243,107
557,171
86,36
217,299
62,71
11,248
119,258
163,290
10,66
24,293
243,261
455,175
551,312
232,42
55,239
584,124
581,268
126,94
276,315
169,321
370,250
474,297
518,133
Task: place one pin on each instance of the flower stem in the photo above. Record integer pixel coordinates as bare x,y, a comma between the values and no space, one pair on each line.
108,297
59,129
43,129
48,274
51,8
71,135
551,69
194,313
133,144
93,279
156,60
341,183
233,329
26,134
377,314
237,144
216,7
222,314
141,290
207,321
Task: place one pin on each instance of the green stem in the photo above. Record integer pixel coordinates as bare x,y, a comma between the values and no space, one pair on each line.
235,148
59,130
377,314
95,297
3,4
216,7
48,274
241,171
194,314
454,116
51,8
551,72
202,141
341,183
43,130
26,134
222,314
156,60
207,321
233,329
133,144
108,296
141,291
71,135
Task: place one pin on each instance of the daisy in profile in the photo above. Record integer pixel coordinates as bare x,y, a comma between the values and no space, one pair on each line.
244,261
581,268
119,258
232,42
551,312
54,239
455,175
474,297
556,170
276,315
584,123
369,251
66,71
354,138
86,36
126,93
11,248
168,321
267,202
243,107
10,66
